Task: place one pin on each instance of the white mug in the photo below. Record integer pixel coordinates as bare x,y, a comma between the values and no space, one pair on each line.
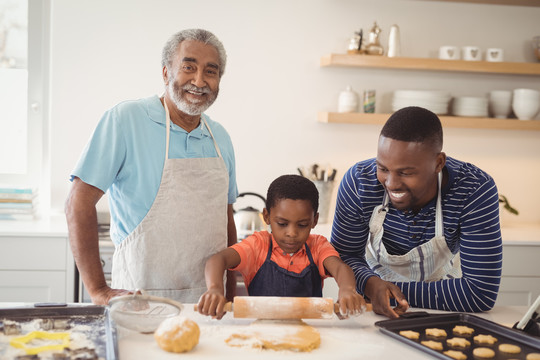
494,54
472,53
449,52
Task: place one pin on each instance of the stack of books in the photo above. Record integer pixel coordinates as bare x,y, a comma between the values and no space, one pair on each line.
18,203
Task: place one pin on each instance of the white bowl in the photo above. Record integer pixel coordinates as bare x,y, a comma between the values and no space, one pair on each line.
525,109
526,94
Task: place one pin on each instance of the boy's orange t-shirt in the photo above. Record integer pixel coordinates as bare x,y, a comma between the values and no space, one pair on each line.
254,248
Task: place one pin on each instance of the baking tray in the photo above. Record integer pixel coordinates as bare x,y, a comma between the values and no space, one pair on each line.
95,323
422,320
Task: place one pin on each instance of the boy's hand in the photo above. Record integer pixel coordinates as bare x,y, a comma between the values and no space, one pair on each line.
211,303
350,303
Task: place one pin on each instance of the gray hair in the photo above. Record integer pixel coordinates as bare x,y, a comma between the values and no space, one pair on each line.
204,36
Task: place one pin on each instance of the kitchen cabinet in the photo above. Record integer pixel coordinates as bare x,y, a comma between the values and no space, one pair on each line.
36,269
520,283
427,64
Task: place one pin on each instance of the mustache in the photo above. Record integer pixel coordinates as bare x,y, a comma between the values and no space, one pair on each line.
190,87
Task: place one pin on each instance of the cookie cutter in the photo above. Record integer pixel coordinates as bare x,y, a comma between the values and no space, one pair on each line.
21,342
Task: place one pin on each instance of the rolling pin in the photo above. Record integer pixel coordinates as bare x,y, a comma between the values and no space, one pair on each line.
283,308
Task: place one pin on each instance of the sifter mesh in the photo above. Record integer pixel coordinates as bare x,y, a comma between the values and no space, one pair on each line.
142,313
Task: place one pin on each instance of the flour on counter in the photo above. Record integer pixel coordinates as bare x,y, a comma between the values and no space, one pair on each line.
294,335
81,336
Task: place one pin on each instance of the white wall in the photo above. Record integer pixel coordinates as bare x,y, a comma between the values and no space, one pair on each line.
106,51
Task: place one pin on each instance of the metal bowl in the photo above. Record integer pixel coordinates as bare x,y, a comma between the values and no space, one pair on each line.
142,313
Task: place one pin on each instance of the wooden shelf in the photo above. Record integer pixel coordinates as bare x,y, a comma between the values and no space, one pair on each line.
385,62
447,121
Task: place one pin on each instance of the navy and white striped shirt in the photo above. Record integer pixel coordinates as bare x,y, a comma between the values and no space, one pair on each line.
470,205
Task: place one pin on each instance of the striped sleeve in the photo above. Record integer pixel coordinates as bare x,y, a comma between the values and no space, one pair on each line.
357,194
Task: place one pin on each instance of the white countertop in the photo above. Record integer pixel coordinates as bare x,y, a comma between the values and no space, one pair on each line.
47,226
340,339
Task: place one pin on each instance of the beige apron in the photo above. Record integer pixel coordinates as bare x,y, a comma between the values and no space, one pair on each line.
187,223
430,261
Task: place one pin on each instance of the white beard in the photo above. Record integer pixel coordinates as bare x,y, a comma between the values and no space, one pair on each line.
188,108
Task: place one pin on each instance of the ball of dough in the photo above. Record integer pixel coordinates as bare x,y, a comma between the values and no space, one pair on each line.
177,334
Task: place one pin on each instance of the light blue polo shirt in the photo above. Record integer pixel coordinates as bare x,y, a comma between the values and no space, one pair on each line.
126,154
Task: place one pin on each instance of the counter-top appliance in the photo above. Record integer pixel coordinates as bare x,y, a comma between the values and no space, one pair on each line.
249,220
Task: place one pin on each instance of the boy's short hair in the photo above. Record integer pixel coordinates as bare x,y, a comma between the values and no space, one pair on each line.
414,124
294,187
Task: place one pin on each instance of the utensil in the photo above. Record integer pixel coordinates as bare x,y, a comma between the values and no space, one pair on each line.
283,308
249,220
141,312
529,322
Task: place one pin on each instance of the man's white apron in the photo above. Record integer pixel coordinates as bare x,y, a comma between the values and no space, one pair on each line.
430,261
187,223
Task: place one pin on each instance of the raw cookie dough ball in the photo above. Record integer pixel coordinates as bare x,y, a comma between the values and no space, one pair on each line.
177,334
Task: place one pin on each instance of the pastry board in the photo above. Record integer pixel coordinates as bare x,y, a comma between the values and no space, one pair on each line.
92,322
423,320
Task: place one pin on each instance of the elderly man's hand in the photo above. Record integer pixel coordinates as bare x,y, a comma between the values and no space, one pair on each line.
102,295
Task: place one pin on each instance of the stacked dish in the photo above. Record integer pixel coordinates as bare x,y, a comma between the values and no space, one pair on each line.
470,106
433,100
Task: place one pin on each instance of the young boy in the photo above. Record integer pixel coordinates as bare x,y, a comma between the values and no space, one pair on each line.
286,262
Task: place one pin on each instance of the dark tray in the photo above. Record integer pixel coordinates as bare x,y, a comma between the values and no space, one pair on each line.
99,327
447,322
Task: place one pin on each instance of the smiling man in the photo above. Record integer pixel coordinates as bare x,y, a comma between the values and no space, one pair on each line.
169,171
419,228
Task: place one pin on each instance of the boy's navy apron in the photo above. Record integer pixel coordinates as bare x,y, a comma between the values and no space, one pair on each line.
273,280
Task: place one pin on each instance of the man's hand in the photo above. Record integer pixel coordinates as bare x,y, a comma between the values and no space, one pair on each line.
104,294
211,303
380,292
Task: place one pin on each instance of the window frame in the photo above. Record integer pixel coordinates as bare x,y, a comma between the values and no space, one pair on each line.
38,153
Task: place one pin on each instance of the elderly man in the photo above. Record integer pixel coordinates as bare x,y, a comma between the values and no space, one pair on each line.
417,227
170,175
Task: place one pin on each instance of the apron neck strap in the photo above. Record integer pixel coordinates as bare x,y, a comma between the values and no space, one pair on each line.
167,126
168,130
438,208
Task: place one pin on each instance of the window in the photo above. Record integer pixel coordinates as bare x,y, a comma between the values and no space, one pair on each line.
24,33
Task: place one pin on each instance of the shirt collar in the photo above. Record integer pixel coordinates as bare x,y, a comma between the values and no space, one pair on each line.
156,112
276,248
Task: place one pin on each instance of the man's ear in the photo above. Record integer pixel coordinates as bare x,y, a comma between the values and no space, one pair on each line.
441,161
266,216
165,75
